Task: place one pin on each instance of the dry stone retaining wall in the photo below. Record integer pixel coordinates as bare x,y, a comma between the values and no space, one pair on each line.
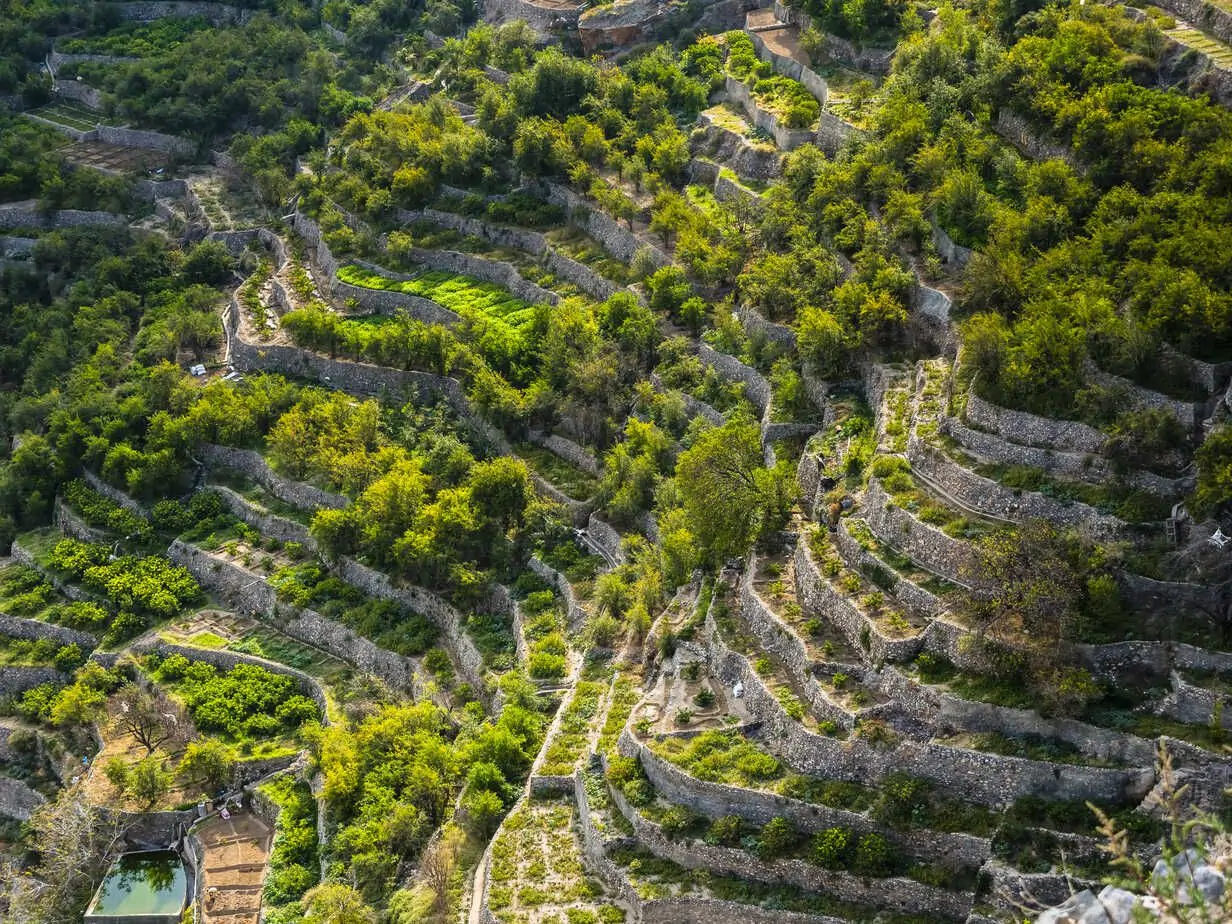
227,660
150,10
15,680
912,596
27,215
989,779
1033,430
1205,15
616,239
818,596
574,613
252,465
930,547
898,894
1079,466
790,67
79,92
756,388
744,157
387,301
715,800
984,494
787,139
64,519
18,627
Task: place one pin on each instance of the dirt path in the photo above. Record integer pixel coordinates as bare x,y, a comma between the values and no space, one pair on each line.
233,868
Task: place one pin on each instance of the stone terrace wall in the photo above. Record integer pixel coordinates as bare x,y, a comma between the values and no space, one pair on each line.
77,91
542,19
27,215
574,613
17,627
1033,430
744,157
154,141
227,660
385,301
912,596
789,67
1205,15
149,10
323,259
927,546
756,388
495,271
606,536
253,465
984,494
715,800
1029,141
1078,466
818,596
573,453
989,779
898,894
15,680
565,267
778,640
616,239
873,60
787,139
950,252
64,519
249,593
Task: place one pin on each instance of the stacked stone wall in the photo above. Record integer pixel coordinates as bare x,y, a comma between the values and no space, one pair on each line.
574,613
253,466
989,497
150,10
227,660
616,239
904,895
925,545
914,598
64,519
148,140
790,67
988,779
386,301
18,627
787,139
79,92
1014,129
1071,465
756,388
950,252
817,595
714,800
744,157
14,680
27,215
1033,430
1205,15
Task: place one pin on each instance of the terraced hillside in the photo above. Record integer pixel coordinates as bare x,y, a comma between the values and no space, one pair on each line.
777,476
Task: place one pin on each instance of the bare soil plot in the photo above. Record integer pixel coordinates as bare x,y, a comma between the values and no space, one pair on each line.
233,868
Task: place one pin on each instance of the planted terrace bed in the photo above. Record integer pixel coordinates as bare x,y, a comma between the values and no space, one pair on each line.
656,878
72,115
896,562
537,873
868,599
222,630
569,478
571,738
1219,52
912,495
25,593
468,297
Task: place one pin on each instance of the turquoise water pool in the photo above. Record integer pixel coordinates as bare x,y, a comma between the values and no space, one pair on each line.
151,883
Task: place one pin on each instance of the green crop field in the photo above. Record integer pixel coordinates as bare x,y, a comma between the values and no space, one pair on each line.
71,115
469,297
1214,49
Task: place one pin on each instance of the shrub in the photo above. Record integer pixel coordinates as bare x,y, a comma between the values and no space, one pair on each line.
725,831
874,855
776,839
832,848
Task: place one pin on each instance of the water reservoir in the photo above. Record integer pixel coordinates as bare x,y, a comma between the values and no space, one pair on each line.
148,887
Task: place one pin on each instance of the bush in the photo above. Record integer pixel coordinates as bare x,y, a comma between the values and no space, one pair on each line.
874,856
832,848
776,839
